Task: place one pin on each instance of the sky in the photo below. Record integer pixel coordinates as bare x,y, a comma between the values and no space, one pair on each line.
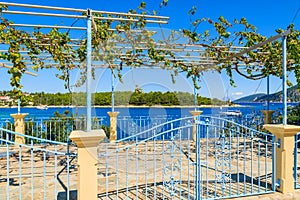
266,15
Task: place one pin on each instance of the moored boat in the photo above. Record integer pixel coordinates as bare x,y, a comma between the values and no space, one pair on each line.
42,107
232,113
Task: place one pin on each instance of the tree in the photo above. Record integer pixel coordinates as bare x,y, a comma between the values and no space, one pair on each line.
255,64
293,115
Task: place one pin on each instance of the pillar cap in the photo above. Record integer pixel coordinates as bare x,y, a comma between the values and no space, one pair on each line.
113,114
19,115
281,130
196,112
267,111
87,139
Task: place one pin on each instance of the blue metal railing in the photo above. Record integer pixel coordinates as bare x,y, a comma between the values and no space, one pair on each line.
58,129
54,129
9,136
227,160
128,126
146,128
35,170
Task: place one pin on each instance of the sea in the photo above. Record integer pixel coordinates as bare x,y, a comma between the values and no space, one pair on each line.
135,112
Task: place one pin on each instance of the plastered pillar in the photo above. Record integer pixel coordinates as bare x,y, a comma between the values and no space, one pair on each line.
113,126
195,114
267,116
284,154
19,122
87,143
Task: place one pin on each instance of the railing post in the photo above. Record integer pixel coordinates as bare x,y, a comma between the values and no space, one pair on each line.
19,123
113,126
267,116
284,160
195,114
87,143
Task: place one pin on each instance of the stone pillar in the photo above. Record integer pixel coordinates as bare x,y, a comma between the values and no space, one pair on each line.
19,123
195,114
284,154
267,116
87,143
113,126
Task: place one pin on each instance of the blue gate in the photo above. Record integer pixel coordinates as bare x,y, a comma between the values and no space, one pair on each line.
227,160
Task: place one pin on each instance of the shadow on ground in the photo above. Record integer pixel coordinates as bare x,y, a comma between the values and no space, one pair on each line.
63,195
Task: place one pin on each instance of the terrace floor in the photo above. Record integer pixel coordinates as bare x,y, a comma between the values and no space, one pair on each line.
161,192
274,196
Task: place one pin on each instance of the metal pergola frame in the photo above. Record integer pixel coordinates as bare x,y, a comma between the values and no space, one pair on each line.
283,36
203,61
51,11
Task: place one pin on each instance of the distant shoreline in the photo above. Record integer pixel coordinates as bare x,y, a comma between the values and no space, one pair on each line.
236,105
133,106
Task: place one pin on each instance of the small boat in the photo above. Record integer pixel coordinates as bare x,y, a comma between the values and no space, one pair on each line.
265,104
42,107
231,113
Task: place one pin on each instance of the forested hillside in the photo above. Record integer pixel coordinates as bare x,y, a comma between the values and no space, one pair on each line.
292,93
125,98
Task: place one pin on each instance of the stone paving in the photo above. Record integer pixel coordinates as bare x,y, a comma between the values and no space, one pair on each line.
274,196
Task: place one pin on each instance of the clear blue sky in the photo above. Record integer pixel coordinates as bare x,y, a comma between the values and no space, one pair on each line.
267,15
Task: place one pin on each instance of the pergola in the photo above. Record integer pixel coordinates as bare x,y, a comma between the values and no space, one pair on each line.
80,24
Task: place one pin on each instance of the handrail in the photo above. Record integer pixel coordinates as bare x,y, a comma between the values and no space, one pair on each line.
154,127
36,148
148,138
240,125
197,122
32,138
176,129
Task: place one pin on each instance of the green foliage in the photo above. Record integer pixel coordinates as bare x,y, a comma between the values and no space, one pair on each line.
138,98
56,43
164,3
106,130
223,35
294,115
143,50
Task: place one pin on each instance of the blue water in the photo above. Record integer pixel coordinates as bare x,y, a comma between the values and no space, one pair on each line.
246,108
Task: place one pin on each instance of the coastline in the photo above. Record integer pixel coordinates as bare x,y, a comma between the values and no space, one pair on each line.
143,106
242,105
